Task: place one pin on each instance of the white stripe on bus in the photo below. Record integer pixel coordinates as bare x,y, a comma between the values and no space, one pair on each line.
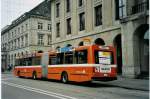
69,65
28,66
80,65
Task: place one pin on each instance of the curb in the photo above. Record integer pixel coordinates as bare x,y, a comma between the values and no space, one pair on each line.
122,86
125,87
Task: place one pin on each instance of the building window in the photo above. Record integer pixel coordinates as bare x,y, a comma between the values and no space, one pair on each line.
49,39
15,33
49,27
12,46
116,9
80,2
12,34
67,5
22,41
98,15
40,39
69,26
81,21
58,30
9,46
26,40
26,26
122,8
15,43
18,42
18,30
9,35
40,25
57,9
22,29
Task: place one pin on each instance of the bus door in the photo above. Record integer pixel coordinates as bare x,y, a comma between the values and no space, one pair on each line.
44,64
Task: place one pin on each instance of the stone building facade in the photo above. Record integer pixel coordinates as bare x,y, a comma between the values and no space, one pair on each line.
135,39
74,21
29,33
105,22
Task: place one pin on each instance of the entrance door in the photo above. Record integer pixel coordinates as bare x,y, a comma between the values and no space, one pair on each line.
141,51
44,64
117,44
144,54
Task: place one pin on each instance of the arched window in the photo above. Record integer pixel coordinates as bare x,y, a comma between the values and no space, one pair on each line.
81,43
68,45
99,41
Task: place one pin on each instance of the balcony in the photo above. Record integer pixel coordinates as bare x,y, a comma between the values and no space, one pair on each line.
140,8
137,11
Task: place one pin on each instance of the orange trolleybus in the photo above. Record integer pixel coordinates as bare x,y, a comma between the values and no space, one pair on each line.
81,64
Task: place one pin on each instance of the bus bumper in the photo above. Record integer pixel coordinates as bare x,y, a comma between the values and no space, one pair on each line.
104,78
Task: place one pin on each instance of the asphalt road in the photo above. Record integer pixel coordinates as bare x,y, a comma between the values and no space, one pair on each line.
23,88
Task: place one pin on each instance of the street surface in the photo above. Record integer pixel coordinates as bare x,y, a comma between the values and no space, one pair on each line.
23,88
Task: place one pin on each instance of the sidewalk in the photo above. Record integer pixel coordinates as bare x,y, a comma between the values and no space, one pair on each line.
128,83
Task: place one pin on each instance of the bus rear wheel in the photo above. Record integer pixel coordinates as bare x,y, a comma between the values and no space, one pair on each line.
34,76
64,77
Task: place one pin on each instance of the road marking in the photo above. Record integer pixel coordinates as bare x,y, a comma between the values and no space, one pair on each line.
56,95
6,78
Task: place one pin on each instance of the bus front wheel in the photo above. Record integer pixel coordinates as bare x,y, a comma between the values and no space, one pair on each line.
64,77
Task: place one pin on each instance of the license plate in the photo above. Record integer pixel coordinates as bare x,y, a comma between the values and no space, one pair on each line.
105,69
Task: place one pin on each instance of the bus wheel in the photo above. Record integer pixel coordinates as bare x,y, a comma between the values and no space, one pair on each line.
64,77
18,73
34,76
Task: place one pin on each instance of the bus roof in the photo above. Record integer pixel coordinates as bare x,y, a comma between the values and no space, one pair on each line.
69,49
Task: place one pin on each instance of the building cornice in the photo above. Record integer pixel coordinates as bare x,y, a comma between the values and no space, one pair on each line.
21,19
87,34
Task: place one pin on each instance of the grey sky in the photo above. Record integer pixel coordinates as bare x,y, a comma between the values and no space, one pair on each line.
12,9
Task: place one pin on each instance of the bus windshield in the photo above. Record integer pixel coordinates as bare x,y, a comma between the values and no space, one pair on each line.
104,57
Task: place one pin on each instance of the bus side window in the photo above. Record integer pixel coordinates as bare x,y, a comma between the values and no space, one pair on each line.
29,63
17,62
52,60
69,58
37,60
21,62
60,58
24,62
81,57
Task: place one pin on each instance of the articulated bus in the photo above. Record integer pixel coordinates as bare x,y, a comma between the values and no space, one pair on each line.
81,64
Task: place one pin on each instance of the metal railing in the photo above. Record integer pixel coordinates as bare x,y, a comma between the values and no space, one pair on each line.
140,7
